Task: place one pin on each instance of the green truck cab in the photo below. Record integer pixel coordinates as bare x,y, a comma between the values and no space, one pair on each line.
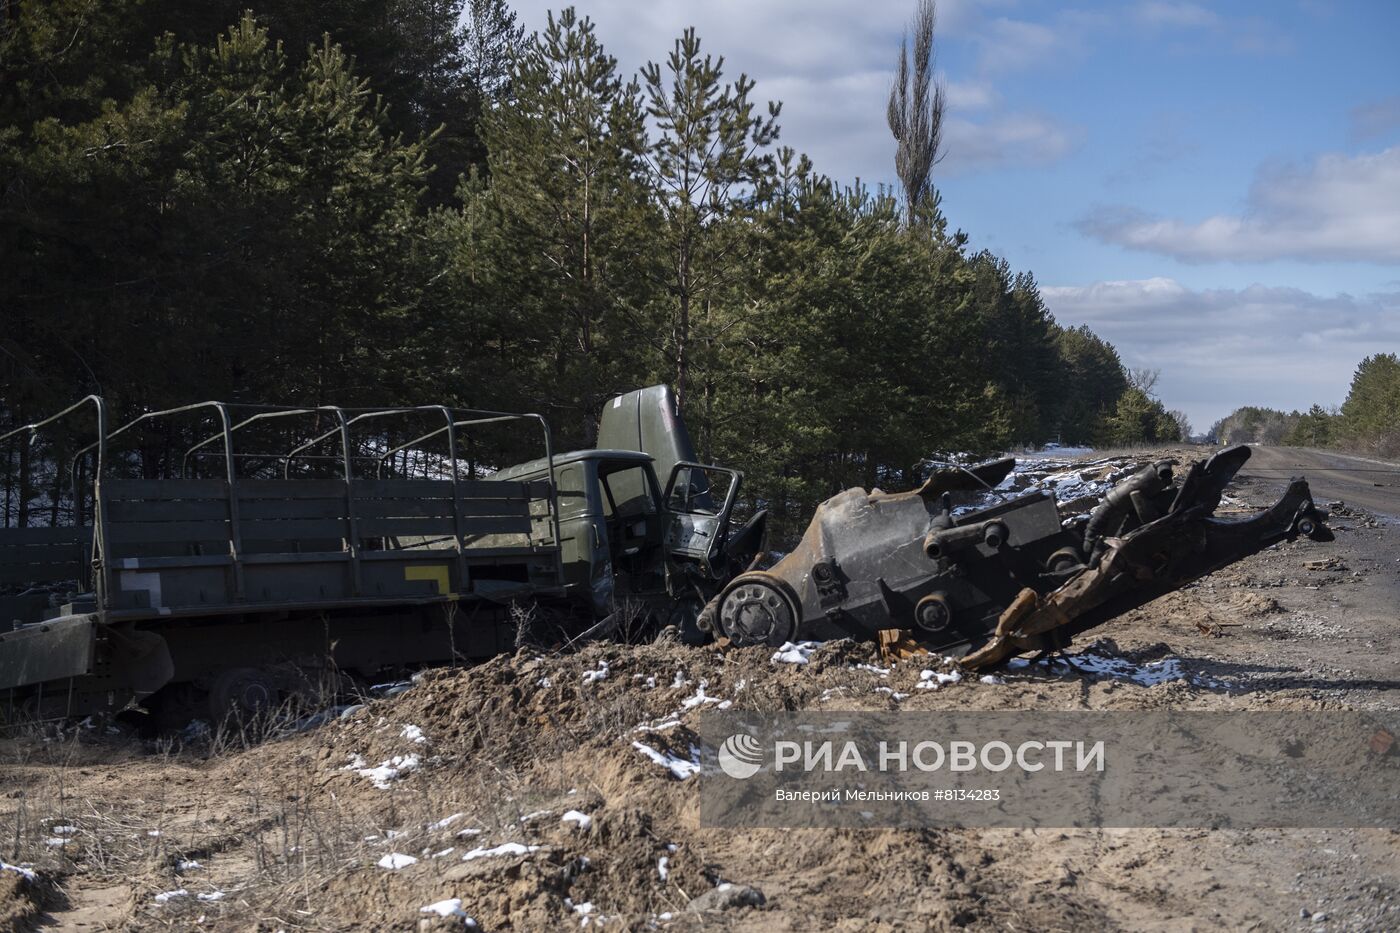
644,529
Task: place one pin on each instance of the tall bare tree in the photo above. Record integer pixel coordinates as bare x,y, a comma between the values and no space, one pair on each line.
916,112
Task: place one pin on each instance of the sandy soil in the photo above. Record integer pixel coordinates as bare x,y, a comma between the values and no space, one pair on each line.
290,834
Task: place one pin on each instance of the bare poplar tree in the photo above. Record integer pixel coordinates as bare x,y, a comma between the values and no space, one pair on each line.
916,111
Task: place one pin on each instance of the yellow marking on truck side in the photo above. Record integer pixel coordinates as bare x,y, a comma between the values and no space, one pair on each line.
438,573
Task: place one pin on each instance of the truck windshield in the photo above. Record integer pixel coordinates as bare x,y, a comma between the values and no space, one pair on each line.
627,491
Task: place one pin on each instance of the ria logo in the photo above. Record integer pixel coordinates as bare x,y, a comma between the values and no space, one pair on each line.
741,756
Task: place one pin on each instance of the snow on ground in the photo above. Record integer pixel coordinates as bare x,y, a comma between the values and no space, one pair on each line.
386,773
413,734
680,767
1103,666
592,677
396,860
505,848
795,653
169,896
699,699
577,816
25,873
452,907
932,680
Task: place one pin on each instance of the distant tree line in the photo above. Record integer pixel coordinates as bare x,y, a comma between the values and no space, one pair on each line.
1368,421
408,201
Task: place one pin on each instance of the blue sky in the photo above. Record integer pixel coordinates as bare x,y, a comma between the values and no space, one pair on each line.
1213,187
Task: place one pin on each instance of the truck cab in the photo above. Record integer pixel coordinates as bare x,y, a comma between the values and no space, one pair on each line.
644,528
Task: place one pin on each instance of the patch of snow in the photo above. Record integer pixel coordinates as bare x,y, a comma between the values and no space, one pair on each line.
990,679
469,832
187,865
211,896
894,695
679,767
879,671
169,896
153,833
1149,674
577,816
592,677
446,821
680,680
396,860
25,873
63,830
586,912
452,907
699,699
56,841
795,652
658,727
389,771
505,848
663,867
445,852
544,682
932,680
413,734
534,815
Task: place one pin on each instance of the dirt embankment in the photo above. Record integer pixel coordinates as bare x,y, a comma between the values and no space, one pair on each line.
552,792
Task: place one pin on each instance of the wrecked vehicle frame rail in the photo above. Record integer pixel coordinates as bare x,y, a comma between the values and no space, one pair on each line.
989,582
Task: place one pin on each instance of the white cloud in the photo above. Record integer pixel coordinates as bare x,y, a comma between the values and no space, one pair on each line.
967,96
1008,44
1182,15
1338,207
1377,118
1219,349
831,64
1011,139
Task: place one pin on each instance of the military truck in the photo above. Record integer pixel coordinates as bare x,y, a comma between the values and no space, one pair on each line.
293,551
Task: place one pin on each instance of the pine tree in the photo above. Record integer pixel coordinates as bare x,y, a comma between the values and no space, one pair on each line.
568,187
709,154
1371,412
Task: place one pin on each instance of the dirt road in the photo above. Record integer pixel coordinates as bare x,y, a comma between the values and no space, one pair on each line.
1372,484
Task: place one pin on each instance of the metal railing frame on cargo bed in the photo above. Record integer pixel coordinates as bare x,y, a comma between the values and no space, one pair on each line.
104,581
100,410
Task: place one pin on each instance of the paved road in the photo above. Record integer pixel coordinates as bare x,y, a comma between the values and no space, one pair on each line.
1373,485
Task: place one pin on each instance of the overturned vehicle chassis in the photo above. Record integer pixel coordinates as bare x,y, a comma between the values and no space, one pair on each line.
989,583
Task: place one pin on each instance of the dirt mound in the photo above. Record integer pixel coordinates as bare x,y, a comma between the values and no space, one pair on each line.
20,897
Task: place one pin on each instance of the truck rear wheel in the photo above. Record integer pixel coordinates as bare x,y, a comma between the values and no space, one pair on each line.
242,693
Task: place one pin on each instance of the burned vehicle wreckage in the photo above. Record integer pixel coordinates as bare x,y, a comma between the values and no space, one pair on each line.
1008,578
242,574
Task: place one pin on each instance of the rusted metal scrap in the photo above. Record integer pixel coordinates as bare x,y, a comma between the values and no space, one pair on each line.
1005,579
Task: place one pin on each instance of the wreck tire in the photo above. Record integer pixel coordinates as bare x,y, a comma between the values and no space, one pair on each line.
757,611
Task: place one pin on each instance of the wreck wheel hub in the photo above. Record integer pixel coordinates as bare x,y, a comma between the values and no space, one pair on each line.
757,613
